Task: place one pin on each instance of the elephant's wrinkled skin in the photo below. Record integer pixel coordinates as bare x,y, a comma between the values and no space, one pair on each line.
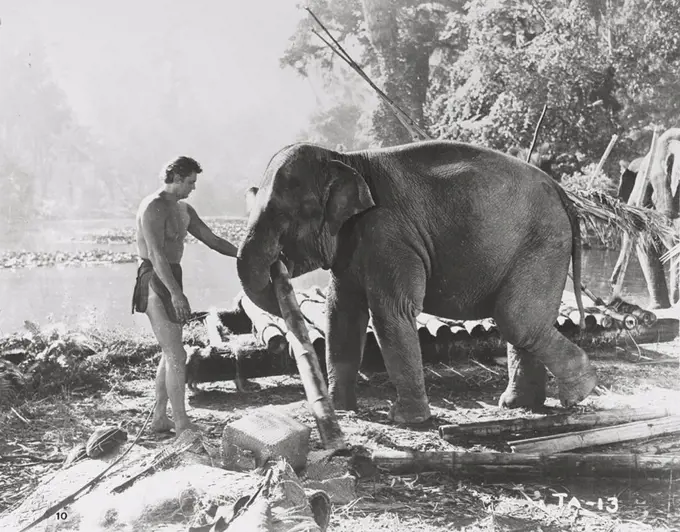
662,193
447,228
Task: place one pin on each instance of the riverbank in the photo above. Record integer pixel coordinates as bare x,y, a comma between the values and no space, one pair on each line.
119,242
119,246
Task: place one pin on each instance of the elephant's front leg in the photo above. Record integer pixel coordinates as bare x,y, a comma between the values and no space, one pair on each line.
397,336
347,320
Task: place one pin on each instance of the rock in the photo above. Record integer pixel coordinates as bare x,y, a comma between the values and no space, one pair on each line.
267,433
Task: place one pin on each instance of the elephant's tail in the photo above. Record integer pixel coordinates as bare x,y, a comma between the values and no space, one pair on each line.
574,220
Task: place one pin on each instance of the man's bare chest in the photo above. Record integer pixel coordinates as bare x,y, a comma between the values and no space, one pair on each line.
177,223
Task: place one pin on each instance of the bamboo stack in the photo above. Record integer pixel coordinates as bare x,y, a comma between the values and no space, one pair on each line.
441,339
269,330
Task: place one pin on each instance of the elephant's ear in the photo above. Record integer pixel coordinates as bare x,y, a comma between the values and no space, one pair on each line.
348,194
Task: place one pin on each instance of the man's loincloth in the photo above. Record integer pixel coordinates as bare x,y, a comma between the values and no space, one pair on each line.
146,276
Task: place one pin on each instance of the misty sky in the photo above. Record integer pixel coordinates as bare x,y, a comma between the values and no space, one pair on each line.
111,58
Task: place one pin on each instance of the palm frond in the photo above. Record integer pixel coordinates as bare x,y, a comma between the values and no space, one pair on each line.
598,208
671,253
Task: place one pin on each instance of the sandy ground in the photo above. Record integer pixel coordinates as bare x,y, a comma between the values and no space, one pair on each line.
45,430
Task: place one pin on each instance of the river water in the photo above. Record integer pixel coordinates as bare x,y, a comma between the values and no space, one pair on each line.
101,295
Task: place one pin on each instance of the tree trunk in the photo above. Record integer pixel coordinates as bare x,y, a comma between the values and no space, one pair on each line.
404,68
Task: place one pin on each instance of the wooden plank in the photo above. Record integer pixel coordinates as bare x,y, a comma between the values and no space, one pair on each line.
600,436
495,427
564,465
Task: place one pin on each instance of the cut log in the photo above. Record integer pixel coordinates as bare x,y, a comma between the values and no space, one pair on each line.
590,320
307,361
604,321
268,329
495,427
213,327
437,328
564,324
474,328
623,321
566,465
600,436
220,364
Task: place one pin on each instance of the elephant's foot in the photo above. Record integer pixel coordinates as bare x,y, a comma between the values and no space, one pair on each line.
574,390
343,399
525,397
576,380
526,381
342,381
574,375
410,412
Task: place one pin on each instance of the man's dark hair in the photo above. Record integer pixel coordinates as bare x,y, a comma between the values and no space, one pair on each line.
182,166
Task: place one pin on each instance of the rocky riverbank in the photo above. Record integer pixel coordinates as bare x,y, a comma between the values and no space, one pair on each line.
111,241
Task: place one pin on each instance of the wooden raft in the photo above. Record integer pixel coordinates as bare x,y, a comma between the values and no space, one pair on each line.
265,352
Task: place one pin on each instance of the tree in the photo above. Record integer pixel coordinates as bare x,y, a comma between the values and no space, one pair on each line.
393,41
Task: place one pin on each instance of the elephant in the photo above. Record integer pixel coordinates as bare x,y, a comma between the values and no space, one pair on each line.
442,227
662,193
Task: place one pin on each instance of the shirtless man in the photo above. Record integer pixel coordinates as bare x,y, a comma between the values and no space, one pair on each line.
163,221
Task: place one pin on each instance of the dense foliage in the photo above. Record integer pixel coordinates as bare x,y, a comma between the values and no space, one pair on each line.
601,66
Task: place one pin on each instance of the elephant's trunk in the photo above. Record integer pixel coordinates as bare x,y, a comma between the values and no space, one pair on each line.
255,258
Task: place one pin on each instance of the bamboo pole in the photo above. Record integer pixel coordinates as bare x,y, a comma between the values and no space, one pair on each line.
603,159
635,200
574,465
535,138
269,329
307,361
416,132
592,419
599,436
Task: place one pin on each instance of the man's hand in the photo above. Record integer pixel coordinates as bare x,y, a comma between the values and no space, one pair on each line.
181,305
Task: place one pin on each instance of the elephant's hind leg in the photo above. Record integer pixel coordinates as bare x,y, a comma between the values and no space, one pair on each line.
525,311
566,361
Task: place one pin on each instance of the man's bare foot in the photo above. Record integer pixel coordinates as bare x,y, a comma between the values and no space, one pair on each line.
162,424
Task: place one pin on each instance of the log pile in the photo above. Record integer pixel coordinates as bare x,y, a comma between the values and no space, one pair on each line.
266,352
545,455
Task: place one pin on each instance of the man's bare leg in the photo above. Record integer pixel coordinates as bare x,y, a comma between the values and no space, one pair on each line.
172,365
161,422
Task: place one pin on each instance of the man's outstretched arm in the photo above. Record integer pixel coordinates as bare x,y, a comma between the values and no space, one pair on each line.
202,232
